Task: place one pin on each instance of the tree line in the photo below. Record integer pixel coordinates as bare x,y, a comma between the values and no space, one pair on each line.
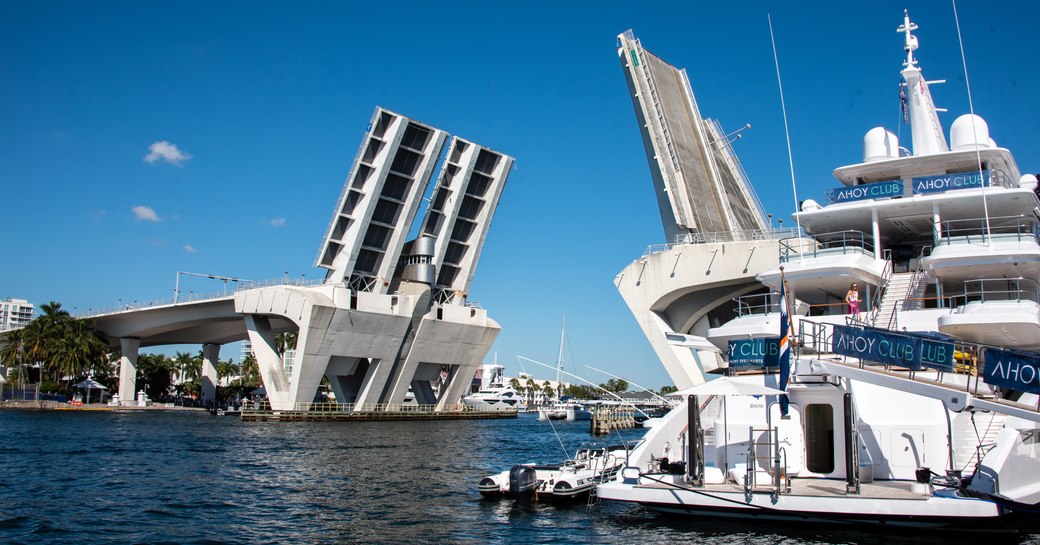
55,351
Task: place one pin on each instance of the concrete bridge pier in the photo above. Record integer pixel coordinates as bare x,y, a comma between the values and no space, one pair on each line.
128,370
210,358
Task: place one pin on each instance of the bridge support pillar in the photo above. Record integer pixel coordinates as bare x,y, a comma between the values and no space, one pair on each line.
128,370
210,358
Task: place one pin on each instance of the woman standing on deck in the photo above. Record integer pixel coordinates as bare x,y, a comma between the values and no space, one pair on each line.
852,299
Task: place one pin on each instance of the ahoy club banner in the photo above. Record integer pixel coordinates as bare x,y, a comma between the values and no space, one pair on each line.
946,182
760,352
885,347
1013,370
876,190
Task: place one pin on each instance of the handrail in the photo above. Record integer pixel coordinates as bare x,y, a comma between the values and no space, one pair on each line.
747,304
974,230
722,236
1013,291
195,297
333,407
848,241
882,286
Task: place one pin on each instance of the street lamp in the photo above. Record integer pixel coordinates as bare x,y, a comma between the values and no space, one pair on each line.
177,283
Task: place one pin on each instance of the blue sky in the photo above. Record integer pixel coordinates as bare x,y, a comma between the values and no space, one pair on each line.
266,104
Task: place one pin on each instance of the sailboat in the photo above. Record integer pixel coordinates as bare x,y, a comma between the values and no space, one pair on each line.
564,410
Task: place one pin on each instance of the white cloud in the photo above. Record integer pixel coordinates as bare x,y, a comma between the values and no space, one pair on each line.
165,151
190,249
278,222
100,215
144,213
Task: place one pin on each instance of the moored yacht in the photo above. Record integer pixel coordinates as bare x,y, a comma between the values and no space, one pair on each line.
502,398
911,402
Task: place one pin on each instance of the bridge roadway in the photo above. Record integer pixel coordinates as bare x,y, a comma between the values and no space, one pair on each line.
373,347
210,322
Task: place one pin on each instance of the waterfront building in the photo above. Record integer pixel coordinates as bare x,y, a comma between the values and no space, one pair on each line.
15,313
533,389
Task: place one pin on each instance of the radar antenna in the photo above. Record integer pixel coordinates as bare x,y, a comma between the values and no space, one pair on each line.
911,40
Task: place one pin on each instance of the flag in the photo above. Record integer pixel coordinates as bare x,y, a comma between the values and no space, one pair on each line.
785,350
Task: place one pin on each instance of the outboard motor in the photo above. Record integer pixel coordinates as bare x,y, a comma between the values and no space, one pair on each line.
522,481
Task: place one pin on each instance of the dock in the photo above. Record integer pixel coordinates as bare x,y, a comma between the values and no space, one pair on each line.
608,419
325,412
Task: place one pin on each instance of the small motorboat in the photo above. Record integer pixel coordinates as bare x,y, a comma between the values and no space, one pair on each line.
565,411
592,464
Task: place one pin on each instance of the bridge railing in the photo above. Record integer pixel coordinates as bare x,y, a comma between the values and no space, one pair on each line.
332,407
723,236
201,296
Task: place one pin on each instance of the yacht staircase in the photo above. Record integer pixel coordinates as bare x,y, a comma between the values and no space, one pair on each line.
903,292
970,392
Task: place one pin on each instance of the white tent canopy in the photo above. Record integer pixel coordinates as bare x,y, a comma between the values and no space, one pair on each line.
724,386
90,384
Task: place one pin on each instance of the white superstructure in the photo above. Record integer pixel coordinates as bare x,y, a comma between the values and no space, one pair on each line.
919,407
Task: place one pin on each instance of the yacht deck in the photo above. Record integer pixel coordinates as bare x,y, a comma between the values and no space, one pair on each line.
892,490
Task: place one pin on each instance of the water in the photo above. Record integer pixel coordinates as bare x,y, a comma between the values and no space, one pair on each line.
156,477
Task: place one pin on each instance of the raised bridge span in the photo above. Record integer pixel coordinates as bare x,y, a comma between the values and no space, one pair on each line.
391,313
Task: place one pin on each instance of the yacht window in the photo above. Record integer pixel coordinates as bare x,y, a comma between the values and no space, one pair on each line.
819,431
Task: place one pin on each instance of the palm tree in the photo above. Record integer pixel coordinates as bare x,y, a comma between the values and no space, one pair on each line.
250,371
532,387
548,391
183,362
225,370
11,351
286,341
193,369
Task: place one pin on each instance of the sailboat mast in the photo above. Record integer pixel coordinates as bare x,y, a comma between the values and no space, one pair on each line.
559,357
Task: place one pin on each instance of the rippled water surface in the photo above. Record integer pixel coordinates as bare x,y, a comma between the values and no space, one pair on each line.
156,477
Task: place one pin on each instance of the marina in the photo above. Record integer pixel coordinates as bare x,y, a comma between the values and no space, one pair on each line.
863,370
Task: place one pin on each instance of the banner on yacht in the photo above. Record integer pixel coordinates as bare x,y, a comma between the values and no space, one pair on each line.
946,182
750,353
1012,370
885,347
876,190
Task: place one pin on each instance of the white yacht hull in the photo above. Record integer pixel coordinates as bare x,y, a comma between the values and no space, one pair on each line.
730,501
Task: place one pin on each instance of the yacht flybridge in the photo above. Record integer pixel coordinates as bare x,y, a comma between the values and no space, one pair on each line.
920,408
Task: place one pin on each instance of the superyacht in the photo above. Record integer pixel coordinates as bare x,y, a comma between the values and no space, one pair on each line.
879,359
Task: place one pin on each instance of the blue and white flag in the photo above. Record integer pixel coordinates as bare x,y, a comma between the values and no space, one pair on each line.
785,350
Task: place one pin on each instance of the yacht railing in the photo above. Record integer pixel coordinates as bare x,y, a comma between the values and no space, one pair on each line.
882,288
816,337
836,243
757,304
1001,229
722,236
988,290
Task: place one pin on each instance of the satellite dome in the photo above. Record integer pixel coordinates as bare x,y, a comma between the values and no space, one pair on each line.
964,137
809,204
880,144
1027,181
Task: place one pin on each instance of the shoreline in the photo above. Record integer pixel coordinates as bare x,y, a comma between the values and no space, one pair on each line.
17,404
